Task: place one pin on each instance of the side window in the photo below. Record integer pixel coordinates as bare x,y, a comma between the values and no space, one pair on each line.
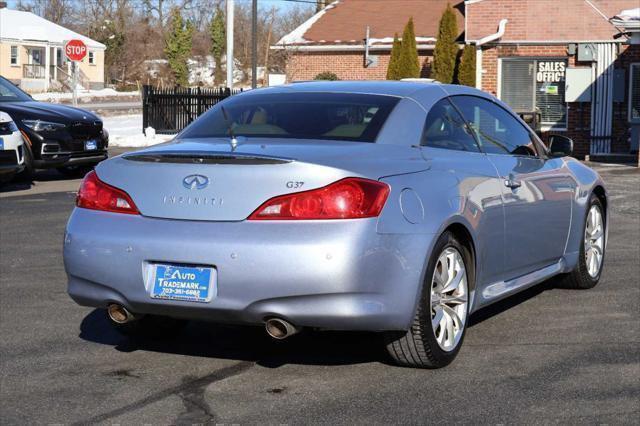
498,131
444,128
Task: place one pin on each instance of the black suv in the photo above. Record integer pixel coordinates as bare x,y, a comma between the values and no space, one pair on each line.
57,136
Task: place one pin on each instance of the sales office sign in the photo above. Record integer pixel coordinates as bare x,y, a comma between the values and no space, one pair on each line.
550,71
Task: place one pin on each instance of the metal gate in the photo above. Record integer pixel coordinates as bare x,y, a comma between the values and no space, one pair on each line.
170,110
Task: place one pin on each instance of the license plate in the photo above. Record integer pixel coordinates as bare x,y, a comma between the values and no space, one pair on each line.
186,283
1,143
91,145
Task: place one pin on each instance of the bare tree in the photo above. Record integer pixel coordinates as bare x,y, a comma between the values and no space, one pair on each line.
53,10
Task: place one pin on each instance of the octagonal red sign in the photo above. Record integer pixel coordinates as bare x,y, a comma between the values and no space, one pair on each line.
75,50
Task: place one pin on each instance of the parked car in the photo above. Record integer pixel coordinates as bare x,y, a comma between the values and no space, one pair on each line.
69,139
396,207
11,148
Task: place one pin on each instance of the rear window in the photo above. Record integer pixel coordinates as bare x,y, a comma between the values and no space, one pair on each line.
334,116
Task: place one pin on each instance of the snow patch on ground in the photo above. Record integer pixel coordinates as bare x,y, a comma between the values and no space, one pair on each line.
126,130
102,93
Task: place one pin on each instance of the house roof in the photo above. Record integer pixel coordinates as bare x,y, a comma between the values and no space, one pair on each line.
26,26
344,22
544,20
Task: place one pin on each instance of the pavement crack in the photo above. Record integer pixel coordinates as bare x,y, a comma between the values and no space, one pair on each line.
191,392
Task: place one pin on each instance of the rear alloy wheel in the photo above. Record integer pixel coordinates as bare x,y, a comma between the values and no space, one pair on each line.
589,268
449,299
438,328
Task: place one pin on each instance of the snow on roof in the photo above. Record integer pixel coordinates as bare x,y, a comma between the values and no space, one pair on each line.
344,23
26,26
297,36
630,14
628,19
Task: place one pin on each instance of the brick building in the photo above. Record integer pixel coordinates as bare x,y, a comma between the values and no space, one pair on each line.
572,61
569,61
335,39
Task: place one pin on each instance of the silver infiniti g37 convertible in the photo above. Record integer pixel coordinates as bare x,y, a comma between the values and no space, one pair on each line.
398,207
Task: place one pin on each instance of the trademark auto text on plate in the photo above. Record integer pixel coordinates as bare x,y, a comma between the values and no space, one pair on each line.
188,283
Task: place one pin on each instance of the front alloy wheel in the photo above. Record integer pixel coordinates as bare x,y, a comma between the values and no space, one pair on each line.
590,262
594,241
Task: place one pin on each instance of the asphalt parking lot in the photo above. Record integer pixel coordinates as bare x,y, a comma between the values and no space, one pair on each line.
546,356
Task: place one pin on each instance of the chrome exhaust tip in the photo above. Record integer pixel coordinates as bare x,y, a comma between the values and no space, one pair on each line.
280,329
119,314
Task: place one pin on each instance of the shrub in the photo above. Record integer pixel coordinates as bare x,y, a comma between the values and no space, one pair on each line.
409,66
326,75
446,50
393,70
467,66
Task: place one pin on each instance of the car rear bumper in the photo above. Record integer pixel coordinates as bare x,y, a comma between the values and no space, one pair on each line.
325,274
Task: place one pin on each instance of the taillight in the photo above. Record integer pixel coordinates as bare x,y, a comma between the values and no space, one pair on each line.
349,198
97,195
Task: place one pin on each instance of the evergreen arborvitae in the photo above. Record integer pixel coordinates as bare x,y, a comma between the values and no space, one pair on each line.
409,66
393,71
467,66
446,50
217,34
177,47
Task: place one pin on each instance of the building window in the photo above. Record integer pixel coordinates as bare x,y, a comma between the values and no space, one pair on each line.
92,59
536,85
14,56
634,93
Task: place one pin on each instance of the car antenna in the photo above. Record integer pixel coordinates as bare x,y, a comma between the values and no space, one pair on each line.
234,141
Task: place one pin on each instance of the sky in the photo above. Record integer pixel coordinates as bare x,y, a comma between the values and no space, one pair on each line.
283,4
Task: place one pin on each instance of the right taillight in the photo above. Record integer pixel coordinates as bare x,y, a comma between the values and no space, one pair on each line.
349,198
97,195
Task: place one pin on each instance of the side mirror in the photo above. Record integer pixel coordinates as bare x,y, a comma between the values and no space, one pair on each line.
560,146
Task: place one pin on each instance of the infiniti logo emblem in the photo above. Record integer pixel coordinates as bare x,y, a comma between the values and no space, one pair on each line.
195,182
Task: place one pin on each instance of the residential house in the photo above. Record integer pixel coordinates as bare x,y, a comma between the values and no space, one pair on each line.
353,38
32,56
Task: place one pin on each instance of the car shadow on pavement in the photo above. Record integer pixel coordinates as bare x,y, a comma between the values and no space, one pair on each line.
244,343
251,343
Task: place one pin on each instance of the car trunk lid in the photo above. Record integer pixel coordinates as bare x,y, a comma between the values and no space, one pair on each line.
207,180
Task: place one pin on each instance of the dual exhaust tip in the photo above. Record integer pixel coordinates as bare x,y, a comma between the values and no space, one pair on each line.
280,329
119,314
277,328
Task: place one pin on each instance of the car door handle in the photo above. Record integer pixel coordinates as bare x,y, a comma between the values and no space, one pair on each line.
512,183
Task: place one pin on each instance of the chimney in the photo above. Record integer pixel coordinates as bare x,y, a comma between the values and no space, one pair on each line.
3,4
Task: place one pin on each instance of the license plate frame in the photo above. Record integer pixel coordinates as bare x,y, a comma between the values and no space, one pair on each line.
91,145
185,283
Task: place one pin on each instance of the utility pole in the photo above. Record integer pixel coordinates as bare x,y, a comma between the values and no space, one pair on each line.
230,7
254,44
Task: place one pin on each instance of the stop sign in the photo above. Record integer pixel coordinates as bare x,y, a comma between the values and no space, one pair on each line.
75,50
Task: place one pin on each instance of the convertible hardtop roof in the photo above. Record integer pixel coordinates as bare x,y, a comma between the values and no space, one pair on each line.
405,89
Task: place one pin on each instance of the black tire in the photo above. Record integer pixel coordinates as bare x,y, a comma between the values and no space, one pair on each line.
6,178
75,171
29,169
579,278
150,326
418,346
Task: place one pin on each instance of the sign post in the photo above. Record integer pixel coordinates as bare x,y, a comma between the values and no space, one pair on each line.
75,50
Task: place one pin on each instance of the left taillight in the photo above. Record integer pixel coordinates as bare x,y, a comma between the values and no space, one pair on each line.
97,195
